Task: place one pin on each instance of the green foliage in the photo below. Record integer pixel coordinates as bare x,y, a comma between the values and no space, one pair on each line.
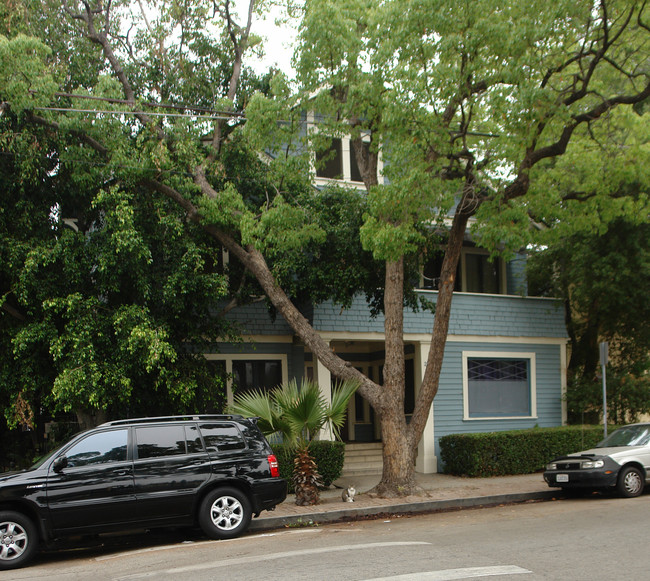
329,457
102,291
24,75
482,455
628,397
593,252
297,414
603,278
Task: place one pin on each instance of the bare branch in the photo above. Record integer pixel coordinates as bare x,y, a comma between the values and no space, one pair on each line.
13,312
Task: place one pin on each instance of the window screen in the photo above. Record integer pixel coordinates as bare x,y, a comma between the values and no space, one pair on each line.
329,162
355,172
498,387
481,275
256,374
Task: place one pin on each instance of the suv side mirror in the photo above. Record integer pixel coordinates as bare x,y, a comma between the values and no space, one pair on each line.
60,463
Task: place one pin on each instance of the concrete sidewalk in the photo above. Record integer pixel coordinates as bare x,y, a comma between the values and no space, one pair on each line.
441,492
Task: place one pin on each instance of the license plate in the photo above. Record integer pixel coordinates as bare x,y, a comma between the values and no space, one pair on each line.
562,478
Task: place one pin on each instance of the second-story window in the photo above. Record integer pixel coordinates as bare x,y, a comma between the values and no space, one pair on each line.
338,161
329,161
481,274
475,273
355,172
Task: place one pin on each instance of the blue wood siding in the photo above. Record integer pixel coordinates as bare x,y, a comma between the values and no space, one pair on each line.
448,404
471,314
479,323
255,319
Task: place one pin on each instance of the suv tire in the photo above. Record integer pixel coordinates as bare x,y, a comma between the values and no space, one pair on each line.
225,513
18,540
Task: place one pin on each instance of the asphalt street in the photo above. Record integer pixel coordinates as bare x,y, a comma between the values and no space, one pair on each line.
593,538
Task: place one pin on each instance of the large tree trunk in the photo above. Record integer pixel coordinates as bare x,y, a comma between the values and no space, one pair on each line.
90,418
400,441
398,474
431,379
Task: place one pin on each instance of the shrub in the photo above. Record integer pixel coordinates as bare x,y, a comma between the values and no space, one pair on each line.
329,457
513,452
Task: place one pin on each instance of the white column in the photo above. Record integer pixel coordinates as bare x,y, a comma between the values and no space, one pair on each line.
346,146
324,379
427,461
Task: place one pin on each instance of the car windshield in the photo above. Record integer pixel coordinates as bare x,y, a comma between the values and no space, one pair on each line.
628,436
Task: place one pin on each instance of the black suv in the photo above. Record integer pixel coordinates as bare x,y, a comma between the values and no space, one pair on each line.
212,470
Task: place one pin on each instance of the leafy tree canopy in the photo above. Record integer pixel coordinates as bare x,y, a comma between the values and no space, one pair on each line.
456,104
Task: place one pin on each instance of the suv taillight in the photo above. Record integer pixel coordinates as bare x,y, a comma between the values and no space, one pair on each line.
273,465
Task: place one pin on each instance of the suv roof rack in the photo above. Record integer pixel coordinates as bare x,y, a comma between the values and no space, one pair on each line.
174,419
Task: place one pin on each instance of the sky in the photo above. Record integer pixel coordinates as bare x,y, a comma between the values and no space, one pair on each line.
278,41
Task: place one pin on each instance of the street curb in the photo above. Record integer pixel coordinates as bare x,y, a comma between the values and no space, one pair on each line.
351,514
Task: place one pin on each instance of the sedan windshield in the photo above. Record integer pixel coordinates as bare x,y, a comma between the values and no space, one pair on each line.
628,436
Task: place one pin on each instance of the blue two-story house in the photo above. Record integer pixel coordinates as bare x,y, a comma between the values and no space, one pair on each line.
504,363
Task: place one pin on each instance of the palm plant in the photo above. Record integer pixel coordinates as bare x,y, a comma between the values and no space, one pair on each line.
298,415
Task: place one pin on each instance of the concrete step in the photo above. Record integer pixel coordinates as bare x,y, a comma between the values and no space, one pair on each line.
362,459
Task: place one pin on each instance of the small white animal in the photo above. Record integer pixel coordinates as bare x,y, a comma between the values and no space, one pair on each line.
348,494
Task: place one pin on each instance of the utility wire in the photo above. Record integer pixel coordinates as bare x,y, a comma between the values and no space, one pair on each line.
112,112
216,114
148,104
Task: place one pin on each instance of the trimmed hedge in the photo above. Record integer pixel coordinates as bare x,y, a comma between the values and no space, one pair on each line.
513,452
329,457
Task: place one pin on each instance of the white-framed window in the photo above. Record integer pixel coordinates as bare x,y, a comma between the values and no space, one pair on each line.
475,273
337,162
482,275
252,371
499,385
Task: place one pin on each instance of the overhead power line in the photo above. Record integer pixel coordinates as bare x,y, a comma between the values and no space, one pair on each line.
182,107
117,112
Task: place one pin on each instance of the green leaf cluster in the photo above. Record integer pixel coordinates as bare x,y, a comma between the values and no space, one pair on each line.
25,77
297,414
102,291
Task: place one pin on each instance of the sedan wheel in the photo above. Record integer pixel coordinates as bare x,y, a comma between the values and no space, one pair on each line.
18,540
630,482
225,513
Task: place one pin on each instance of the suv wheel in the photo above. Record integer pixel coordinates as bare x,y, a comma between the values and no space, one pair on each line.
18,540
225,513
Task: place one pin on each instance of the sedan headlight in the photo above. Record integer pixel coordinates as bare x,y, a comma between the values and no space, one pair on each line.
552,466
586,464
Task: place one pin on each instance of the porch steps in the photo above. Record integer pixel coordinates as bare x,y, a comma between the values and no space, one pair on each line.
362,458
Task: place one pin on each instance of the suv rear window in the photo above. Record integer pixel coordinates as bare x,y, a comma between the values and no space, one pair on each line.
222,437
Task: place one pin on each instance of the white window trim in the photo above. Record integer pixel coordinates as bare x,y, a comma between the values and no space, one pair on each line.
501,355
229,358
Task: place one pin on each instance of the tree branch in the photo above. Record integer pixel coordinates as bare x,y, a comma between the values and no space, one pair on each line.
81,135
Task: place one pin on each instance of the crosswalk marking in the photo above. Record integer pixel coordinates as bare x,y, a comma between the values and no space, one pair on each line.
451,574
